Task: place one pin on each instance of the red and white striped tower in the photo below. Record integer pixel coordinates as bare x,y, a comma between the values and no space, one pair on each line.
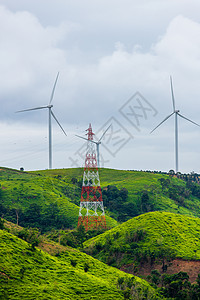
91,212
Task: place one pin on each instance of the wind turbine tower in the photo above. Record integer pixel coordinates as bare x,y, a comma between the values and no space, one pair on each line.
177,114
50,114
91,211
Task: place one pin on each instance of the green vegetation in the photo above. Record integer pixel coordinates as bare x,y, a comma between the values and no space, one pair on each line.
159,212
73,238
152,192
50,199
144,192
35,200
146,238
116,201
176,286
29,273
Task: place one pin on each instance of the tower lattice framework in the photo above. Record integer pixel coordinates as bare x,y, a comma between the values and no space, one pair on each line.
91,211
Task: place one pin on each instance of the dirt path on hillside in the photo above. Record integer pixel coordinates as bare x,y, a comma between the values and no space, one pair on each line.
192,268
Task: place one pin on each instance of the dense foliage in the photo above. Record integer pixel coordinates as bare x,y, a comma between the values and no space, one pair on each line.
176,286
148,191
116,201
73,238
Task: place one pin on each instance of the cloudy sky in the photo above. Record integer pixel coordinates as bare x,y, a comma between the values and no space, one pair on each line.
114,60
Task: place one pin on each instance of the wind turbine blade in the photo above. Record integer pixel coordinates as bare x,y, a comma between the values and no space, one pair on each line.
162,122
52,93
58,123
173,100
85,139
104,133
188,120
35,108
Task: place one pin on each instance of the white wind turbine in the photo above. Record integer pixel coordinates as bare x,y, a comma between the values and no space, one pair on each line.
176,113
97,144
51,114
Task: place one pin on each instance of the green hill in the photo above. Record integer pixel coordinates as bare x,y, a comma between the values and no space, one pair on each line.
37,200
146,192
150,236
50,199
29,273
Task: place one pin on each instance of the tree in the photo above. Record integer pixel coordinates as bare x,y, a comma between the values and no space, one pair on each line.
164,183
74,180
53,218
17,209
68,239
1,224
30,235
171,172
51,214
32,215
174,193
166,254
114,199
146,204
155,276
123,193
176,286
81,234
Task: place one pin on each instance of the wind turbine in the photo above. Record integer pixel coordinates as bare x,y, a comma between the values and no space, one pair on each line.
176,113
51,114
97,143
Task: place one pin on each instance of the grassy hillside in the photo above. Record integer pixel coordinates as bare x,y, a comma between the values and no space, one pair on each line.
161,197
37,200
164,193
151,236
50,198
29,273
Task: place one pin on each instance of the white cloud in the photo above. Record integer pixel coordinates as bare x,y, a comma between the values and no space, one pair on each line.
28,50
180,44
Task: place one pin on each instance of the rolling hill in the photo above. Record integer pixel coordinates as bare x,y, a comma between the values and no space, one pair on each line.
45,202
29,273
50,199
164,192
153,239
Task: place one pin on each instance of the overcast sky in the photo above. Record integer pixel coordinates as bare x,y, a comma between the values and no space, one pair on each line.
114,58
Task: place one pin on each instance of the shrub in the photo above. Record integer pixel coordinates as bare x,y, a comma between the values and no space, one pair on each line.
86,267
30,235
73,262
1,224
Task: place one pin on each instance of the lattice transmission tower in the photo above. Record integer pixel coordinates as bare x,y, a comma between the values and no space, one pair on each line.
91,211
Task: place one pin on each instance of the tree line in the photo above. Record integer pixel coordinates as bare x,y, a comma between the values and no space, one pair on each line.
35,216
